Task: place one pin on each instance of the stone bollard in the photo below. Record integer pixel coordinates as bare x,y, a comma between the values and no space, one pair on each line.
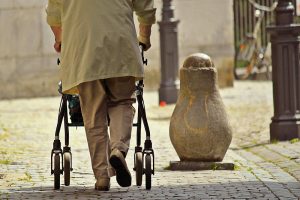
199,128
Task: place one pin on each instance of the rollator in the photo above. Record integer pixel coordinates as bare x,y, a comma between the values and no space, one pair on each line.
61,158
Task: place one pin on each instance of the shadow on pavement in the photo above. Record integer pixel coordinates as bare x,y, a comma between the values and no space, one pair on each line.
236,190
251,146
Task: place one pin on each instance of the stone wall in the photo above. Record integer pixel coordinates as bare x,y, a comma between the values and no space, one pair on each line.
205,26
28,62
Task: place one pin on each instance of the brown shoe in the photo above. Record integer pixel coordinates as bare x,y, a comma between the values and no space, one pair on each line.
102,184
118,162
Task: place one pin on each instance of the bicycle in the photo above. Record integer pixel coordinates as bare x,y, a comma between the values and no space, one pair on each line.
250,58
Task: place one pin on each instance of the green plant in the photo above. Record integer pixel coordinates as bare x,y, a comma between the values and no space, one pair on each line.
214,166
11,184
295,140
167,168
3,152
236,167
26,178
5,162
274,141
42,178
4,135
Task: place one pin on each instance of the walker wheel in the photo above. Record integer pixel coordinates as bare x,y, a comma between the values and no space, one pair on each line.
67,168
56,171
148,171
139,168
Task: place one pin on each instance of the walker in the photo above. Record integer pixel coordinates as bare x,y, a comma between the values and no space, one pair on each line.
61,159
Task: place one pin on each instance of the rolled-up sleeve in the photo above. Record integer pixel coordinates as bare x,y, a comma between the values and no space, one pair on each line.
145,11
53,11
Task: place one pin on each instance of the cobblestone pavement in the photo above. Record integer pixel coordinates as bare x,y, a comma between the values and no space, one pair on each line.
264,170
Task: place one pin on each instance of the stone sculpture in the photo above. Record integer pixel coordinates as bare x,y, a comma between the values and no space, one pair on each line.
199,127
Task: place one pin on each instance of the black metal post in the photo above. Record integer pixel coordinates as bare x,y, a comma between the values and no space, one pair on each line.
286,73
168,91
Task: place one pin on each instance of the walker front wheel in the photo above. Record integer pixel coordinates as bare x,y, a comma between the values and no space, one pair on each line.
56,171
139,168
67,168
148,171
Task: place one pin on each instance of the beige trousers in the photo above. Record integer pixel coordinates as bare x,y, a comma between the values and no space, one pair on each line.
101,98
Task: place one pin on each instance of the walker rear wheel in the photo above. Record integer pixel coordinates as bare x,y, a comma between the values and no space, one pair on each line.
56,171
148,171
67,168
139,168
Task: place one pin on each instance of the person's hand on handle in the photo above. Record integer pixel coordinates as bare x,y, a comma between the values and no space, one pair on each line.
57,46
57,34
144,36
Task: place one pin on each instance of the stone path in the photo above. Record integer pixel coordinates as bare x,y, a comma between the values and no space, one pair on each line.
264,171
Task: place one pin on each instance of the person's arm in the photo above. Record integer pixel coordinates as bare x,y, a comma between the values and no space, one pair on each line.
54,20
57,34
145,12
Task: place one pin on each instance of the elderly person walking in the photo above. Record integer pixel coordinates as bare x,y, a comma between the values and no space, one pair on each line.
100,61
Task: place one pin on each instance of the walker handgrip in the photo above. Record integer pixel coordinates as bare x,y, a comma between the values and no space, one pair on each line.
142,47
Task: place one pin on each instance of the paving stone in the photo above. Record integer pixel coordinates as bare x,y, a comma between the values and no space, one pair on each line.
30,124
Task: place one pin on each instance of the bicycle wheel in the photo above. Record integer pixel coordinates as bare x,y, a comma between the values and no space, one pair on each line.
246,72
67,168
148,171
56,171
139,168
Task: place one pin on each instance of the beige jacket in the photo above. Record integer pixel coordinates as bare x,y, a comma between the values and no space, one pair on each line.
99,39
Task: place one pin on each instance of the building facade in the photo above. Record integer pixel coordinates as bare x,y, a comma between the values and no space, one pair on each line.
28,62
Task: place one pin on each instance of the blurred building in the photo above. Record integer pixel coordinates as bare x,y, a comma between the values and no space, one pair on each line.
28,62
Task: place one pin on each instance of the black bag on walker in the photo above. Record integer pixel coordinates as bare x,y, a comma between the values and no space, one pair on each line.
74,109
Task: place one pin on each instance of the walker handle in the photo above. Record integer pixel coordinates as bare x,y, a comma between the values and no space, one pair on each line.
142,47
